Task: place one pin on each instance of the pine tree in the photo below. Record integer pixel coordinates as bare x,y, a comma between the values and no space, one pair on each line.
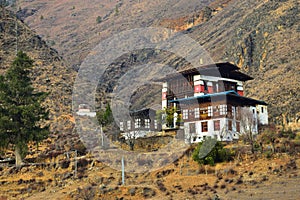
21,112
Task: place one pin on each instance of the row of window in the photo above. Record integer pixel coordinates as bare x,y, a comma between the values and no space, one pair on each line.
138,124
216,124
183,85
210,111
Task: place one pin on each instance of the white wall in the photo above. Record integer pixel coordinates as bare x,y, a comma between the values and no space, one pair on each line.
262,111
227,135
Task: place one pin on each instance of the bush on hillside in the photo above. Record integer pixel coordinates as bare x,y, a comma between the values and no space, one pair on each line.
210,152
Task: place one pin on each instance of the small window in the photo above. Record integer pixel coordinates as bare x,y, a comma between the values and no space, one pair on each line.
147,123
223,109
217,125
238,127
128,125
197,113
210,111
204,127
185,114
194,139
204,113
216,110
229,125
121,126
229,111
262,109
137,123
155,124
238,112
192,127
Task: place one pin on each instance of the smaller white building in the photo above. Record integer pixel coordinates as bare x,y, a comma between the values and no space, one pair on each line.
84,110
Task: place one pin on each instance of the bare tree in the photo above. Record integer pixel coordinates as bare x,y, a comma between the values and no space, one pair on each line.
223,132
248,125
131,137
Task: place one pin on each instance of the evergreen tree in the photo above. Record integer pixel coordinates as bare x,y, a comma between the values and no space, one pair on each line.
105,117
21,113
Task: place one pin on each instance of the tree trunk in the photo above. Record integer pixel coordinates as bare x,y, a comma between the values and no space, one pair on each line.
252,147
18,156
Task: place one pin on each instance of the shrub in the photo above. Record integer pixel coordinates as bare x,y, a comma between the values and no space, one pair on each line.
287,134
99,19
210,151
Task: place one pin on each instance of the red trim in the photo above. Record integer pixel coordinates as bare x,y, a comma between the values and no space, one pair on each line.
202,88
164,96
210,89
197,88
240,92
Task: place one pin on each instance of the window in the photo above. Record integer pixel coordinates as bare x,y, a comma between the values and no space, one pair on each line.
192,128
223,109
155,124
210,111
197,113
216,125
147,123
229,111
262,109
137,123
185,114
204,113
216,110
128,125
238,113
121,126
229,125
204,127
238,127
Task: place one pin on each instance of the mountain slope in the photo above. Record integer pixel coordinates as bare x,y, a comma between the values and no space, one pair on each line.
49,73
262,37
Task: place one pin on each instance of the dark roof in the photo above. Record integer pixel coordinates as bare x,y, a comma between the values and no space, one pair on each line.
230,96
144,112
223,69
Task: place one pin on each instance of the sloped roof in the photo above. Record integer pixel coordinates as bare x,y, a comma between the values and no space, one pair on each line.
222,69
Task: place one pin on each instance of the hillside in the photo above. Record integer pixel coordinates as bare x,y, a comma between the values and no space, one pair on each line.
262,37
49,73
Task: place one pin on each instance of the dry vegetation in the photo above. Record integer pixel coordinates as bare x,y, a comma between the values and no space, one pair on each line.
53,175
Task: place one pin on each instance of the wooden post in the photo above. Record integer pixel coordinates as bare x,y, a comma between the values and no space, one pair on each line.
75,165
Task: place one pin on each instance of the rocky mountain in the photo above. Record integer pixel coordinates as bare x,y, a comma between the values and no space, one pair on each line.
49,74
261,37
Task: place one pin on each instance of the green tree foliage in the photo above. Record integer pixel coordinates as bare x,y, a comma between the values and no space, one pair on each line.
210,151
99,19
21,113
105,117
170,116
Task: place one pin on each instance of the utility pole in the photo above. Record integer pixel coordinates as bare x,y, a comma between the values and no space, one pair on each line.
123,171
